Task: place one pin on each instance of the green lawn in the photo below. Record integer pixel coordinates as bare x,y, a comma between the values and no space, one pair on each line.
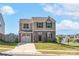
54,46
73,44
5,46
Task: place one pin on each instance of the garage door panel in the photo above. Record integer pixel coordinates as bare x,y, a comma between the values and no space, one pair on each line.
26,39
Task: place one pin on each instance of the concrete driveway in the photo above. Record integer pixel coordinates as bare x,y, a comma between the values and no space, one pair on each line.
24,49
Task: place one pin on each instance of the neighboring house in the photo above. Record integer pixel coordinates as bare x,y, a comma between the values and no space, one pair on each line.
65,39
37,29
11,37
76,37
2,27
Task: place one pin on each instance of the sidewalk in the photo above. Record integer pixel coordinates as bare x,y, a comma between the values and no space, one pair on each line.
61,50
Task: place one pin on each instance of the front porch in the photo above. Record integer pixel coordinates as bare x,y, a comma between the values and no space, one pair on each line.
44,36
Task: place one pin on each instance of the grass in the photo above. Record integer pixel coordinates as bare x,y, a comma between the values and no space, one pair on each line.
42,47
73,44
5,46
55,46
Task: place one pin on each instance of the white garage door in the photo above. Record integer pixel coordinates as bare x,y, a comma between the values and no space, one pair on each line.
26,39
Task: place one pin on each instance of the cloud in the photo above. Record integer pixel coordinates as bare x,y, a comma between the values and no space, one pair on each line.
70,10
7,10
62,9
67,25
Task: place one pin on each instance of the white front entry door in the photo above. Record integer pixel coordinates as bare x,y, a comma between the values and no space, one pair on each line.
26,39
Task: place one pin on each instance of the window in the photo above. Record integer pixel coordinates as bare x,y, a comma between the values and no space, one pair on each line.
26,26
40,25
48,25
49,34
24,34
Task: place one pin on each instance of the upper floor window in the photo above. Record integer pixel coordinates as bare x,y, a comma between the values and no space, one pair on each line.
40,25
26,26
48,25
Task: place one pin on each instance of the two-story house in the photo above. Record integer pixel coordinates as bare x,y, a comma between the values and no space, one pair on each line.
37,29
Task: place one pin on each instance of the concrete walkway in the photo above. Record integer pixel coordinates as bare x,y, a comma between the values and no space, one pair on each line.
23,49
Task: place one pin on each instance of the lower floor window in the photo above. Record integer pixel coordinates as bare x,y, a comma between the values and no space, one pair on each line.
49,34
25,34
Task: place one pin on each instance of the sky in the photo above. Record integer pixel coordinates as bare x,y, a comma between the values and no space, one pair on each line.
66,15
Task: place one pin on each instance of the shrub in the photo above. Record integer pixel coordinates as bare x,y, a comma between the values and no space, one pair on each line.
16,40
49,40
58,39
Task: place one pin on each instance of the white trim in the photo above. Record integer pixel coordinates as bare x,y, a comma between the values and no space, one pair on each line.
44,30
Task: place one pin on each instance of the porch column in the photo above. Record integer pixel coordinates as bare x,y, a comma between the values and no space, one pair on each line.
44,37
35,37
53,36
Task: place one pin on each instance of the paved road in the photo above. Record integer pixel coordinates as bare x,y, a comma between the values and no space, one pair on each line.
23,49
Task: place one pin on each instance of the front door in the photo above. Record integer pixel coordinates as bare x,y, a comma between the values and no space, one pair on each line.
40,37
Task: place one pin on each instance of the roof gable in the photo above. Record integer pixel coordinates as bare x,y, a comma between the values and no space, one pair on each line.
42,19
50,19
